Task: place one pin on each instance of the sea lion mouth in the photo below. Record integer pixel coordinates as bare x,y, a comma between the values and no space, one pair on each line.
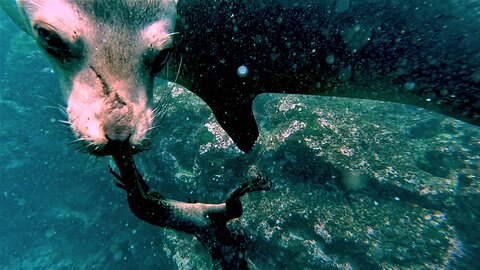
113,146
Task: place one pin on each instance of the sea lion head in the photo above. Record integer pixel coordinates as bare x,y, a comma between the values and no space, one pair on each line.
106,54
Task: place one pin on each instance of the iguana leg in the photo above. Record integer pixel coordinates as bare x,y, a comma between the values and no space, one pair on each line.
208,222
234,205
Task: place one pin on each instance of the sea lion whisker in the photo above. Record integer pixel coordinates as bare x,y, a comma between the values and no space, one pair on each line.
67,123
54,105
145,147
166,71
77,141
178,71
88,147
83,148
161,107
43,98
158,118
163,102
57,107
158,43
37,4
163,39
171,34
160,112
60,108
153,127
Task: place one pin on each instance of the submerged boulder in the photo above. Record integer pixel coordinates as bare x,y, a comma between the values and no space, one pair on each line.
358,184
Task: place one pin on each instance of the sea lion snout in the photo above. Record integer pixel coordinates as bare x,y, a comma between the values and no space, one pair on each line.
98,119
118,124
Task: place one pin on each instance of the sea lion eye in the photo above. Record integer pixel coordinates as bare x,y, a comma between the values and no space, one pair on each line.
156,60
54,44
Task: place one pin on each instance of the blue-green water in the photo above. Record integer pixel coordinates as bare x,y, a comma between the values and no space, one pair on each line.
357,184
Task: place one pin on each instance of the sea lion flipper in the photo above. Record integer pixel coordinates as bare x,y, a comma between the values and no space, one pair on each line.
237,119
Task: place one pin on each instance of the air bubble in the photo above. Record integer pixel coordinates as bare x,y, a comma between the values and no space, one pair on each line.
242,71
409,86
330,59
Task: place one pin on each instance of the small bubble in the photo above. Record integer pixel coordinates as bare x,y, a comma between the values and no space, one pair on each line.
117,255
330,59
50,233
409,86
242,71
21,202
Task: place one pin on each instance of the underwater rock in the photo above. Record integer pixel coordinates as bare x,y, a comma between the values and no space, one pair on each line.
351,186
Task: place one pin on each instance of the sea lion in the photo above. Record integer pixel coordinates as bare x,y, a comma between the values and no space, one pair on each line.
107,52
424,54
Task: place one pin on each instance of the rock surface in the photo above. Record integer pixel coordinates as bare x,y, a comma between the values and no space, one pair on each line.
357,184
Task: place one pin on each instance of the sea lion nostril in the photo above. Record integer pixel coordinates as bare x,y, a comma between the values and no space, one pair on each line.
119,142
